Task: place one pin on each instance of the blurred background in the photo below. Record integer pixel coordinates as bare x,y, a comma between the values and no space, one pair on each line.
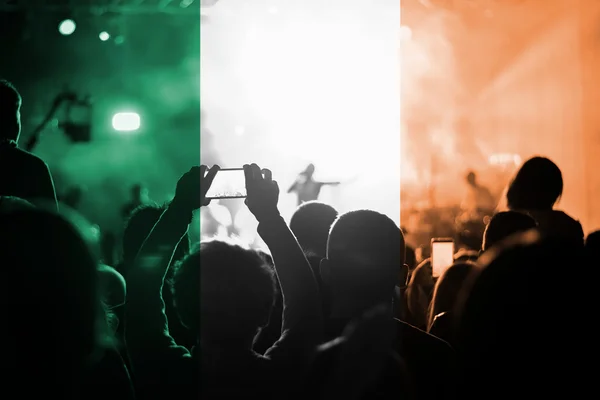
487,84
140,61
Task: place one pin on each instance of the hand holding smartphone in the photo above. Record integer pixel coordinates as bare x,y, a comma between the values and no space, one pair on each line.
442,255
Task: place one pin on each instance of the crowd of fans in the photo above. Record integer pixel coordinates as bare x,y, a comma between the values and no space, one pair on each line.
332,310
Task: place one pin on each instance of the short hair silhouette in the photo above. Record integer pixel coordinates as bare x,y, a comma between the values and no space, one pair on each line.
505,224
10,103
367,249
311,223
537,185
229,288
11,203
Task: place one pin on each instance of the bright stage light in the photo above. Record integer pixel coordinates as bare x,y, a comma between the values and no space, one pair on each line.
67,27
104,36
126,122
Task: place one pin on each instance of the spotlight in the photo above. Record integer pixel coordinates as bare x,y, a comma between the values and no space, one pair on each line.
126,122
67,27
104,36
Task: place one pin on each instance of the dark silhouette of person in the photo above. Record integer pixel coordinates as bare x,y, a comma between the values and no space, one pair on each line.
361,364
306,188
138,227
231,291
505,224
310,224
519,316
478,198
535,190
448,289
365,256
22,174
592,246
55,319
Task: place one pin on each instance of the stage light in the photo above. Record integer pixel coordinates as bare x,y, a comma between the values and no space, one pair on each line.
126,122
104,36
67,27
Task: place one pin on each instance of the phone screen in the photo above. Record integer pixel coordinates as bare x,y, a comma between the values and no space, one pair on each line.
228,184
442,255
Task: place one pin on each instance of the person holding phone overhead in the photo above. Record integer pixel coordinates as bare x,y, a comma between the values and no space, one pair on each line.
306,188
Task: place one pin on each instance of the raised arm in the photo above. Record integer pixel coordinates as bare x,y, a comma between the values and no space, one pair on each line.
302,314
294,187
147,333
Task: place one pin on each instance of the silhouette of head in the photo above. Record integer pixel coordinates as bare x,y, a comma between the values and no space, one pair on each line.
311,223
52,299
365,256
464,255
472,178
9,204
514,298
448,288
537,185
309,171
229,288
505,224
139,225
10,112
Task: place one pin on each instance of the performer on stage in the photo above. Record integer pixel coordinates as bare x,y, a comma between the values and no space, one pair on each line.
478,199
306,188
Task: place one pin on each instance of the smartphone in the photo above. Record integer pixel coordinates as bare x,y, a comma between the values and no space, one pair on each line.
228,184
442,255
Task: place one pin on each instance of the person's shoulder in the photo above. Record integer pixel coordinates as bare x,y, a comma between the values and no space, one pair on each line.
559,222
26,156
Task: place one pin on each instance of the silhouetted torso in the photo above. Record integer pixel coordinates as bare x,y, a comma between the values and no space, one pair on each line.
558,224
25,175
430,361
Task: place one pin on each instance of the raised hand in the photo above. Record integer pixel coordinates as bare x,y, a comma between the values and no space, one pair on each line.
262,192
193,185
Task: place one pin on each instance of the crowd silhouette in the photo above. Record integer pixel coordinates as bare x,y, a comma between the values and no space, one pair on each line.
336,308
